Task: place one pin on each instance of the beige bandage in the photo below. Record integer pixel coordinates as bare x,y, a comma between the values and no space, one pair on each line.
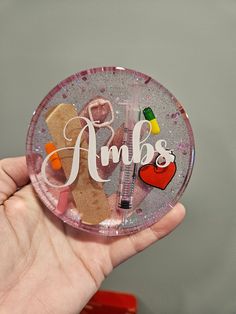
88,194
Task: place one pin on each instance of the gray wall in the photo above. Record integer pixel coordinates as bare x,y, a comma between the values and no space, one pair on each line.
190,47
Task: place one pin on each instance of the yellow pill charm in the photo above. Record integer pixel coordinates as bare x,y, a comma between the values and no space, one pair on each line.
149,115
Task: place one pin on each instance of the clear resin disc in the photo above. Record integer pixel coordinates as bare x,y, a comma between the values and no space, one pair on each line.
110,151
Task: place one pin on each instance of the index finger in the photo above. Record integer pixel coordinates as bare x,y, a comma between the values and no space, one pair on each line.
13,175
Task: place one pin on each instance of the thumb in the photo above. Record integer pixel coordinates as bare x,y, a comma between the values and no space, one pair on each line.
127,246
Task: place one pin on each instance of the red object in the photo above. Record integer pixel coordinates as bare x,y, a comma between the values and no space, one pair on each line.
157,176
110,302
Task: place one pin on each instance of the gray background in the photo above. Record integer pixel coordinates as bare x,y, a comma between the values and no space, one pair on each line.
190,47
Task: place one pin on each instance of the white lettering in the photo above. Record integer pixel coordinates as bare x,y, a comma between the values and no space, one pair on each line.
142,152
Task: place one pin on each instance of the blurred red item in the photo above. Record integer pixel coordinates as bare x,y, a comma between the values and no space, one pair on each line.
110,302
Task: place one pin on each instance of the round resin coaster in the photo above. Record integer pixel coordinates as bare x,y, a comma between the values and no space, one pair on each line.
110,151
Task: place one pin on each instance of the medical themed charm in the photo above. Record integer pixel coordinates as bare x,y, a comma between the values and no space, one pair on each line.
110,151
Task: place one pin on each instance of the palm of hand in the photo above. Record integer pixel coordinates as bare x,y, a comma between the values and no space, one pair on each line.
47,266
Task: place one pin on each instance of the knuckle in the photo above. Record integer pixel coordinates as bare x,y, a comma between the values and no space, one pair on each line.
136,245
15,203
4,162
3,197
158,233
4,165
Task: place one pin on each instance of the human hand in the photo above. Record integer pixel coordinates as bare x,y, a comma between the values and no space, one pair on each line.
46,265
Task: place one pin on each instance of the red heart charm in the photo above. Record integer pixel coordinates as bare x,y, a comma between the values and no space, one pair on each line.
157,176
